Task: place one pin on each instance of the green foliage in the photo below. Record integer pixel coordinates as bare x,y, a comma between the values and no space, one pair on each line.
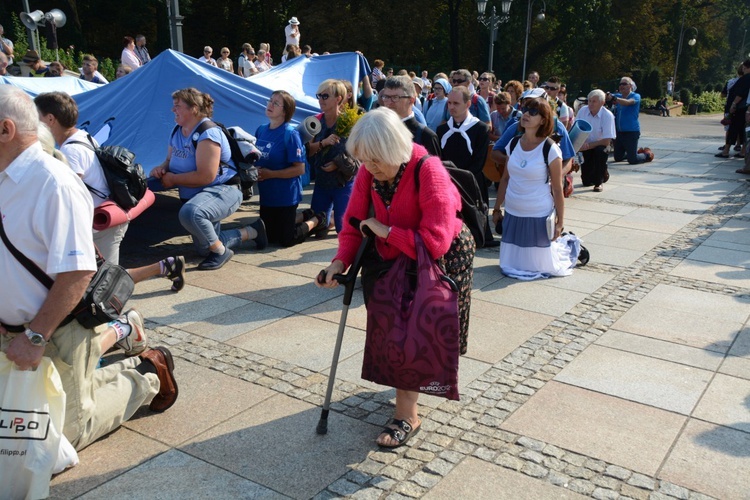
685,97
70,58
711,102
652,84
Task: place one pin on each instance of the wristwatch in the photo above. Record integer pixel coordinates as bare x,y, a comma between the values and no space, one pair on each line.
36,339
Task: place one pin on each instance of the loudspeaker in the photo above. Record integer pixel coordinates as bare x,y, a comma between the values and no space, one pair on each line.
57,16
31,19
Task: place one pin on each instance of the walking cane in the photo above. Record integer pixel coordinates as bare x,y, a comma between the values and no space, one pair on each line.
349,280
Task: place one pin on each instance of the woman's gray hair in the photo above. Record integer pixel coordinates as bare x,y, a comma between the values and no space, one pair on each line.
18,107
380,136
598,93
48,143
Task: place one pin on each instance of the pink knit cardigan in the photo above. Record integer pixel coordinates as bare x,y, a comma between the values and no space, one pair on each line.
432,211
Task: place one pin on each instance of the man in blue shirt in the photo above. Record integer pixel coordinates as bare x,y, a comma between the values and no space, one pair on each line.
479,107
626,123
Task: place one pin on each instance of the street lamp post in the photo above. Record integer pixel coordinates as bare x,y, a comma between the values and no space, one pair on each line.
492,22
691,42
540,17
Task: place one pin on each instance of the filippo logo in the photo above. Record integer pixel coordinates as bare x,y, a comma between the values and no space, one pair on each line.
20,424
435,387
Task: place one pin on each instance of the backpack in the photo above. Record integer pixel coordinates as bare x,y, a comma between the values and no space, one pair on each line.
473,209
567,178
247,173
125,178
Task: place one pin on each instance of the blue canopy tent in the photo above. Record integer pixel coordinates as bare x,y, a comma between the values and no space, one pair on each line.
34,86
135,111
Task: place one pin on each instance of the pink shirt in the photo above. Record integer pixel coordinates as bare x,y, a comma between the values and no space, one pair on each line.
432,211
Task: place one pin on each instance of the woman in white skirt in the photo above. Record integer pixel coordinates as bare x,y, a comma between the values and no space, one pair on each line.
531,189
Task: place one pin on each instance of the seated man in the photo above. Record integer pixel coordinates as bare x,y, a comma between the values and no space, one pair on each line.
47,216
34,62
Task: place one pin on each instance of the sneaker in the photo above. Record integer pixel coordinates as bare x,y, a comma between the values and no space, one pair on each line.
161,359
215,261
247,193
598,189
261,241
176,272
321,229
136,342
649,154
307,214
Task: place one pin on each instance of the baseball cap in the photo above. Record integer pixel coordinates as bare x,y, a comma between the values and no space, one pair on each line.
534,94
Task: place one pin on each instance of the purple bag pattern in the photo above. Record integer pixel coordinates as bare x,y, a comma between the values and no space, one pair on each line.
412,333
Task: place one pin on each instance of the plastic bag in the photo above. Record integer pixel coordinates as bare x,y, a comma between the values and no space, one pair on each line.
32,413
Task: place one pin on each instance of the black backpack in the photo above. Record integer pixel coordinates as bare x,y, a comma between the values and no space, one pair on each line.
125,178
247,172
473,209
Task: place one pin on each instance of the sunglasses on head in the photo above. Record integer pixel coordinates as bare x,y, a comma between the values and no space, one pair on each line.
530,111
323,97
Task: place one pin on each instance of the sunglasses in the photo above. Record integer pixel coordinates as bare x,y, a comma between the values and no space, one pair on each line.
323,97
484,79
530,111
548,87
624,83
457,81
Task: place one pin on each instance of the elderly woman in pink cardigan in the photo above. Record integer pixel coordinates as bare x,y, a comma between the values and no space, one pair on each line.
387,185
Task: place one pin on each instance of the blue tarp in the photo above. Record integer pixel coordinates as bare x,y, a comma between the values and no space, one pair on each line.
33,86
137,109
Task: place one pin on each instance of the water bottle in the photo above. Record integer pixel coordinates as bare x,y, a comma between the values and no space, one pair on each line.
579,156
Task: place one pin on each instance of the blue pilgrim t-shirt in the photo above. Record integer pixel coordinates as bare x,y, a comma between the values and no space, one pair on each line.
276,154
626,117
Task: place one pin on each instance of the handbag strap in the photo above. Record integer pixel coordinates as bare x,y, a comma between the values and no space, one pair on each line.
30,266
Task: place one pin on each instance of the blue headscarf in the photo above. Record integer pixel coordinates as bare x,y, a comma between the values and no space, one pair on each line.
444,83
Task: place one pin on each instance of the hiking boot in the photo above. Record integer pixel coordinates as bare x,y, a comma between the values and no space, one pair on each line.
136,342
649,154
215,261
161,359
307,214
261,241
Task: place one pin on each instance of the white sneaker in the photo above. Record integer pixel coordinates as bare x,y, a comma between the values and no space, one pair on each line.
136,342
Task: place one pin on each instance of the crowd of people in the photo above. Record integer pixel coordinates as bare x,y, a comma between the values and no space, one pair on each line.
385,169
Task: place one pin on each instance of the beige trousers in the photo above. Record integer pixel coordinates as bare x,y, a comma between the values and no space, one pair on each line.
98,400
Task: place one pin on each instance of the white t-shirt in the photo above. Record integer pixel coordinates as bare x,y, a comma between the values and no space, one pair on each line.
84,162
528,193
47,215
292,34
210,60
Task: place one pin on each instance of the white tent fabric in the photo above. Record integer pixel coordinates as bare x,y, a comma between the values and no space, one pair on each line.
136,111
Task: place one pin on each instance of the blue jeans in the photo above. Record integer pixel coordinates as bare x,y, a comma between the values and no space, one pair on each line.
324,198
201,216
626,146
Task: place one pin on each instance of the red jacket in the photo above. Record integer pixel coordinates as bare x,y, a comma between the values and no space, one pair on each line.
432,211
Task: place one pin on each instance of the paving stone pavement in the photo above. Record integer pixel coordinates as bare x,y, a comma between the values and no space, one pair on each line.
628,379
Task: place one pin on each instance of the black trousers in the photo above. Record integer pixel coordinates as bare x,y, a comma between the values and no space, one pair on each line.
594,168
281,227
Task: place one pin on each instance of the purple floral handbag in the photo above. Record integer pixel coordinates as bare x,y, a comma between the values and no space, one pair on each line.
412,328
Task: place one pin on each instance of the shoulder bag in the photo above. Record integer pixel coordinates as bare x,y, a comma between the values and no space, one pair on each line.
413,328
104,298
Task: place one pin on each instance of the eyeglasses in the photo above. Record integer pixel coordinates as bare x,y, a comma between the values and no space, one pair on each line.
275,103
323,97
394,98
530,111
225,52
483,79
456,81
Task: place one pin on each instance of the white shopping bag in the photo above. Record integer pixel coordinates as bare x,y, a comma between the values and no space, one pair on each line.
32,413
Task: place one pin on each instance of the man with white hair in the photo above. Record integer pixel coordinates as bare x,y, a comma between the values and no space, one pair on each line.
626,122
602,121
46,216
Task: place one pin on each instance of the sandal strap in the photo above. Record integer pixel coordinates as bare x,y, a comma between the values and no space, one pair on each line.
400,434
169,267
